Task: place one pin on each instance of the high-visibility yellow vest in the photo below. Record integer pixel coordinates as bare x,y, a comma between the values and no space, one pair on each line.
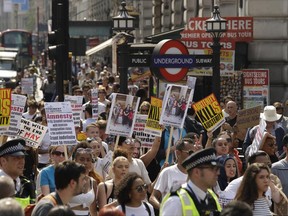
188,205
23,201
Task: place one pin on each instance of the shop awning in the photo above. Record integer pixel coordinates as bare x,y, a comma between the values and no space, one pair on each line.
99,47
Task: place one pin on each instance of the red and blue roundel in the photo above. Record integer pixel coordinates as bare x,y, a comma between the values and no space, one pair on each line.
171,60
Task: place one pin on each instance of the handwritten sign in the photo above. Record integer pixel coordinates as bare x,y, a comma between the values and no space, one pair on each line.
247,118
32,132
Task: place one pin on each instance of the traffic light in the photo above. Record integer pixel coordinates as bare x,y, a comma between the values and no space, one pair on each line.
56,50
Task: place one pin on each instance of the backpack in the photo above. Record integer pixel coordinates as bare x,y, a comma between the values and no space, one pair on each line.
29,209
145,204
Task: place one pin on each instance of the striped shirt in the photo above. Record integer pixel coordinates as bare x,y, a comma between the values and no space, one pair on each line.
261,207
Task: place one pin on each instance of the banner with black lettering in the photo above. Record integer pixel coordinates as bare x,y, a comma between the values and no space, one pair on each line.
146,139
152,126
5,107
32,132
209,112
60,123
17,109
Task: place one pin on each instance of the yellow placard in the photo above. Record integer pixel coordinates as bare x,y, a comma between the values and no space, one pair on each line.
5,107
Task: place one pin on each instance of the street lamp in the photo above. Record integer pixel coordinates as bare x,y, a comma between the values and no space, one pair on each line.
216,25
123,23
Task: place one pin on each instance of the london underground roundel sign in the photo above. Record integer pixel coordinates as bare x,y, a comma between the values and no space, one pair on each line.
171,60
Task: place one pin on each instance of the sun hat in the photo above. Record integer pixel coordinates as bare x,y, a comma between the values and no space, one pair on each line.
270,114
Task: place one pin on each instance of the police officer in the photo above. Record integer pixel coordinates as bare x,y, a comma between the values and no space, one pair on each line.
12,162
196,197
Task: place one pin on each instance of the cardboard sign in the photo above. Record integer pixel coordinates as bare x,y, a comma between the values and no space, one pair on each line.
209,112
32,132
247,118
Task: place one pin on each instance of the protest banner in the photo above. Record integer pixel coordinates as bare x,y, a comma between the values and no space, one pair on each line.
122,115
247,118
152,126
32,132
174,107
17,109
94,103
76,105
107,161
5,107
27,86
146,139
209,112
60,123
254,147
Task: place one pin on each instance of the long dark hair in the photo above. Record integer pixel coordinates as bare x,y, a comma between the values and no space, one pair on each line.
248,190
124,187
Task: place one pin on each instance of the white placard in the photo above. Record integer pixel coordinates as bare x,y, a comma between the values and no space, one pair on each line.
60,123
76,105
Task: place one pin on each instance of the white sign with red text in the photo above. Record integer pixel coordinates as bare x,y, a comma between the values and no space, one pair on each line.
60,123
76,105
17,109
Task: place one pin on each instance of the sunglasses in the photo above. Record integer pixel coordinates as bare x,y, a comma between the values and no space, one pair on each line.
271,145
141,188
84,150
58,153
188,152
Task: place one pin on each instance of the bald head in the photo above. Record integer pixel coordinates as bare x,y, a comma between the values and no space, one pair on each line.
7,187
231,107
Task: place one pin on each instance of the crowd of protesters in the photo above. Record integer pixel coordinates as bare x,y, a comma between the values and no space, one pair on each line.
205,174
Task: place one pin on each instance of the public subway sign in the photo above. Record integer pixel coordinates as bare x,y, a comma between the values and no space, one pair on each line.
171,60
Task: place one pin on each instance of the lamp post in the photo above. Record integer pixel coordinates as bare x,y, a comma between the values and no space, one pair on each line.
216,25
123,23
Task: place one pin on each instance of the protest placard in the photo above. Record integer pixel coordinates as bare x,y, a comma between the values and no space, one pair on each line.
122,116
254,147
60,123
174,107
209,112
247,118
152,124
32,132
107,161
5,107
94,103
146,139
76,105
17,109
27,86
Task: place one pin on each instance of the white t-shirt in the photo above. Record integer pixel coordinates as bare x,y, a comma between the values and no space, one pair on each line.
45,144
168,178
232,188
138,166
137,211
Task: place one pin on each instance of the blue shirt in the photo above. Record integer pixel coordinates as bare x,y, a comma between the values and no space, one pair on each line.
47,177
